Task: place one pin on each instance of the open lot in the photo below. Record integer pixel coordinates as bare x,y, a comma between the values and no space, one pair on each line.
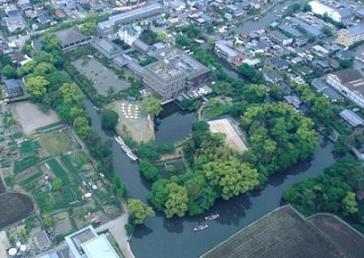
132,122
105,81
56,142
14,207
31,117
233,140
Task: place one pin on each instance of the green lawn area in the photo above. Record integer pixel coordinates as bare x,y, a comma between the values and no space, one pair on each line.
23,164
81,158
59,171
56,143
216,110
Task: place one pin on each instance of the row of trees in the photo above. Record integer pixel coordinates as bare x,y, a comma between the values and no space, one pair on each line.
51,88
331,192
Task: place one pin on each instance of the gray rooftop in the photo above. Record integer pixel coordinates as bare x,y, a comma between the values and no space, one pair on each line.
351,117
282,233
130,16
356,30
69,36
174,64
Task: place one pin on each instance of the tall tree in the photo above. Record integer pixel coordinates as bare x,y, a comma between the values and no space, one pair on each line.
139,212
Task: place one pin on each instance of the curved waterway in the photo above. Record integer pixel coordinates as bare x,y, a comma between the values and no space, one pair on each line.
175,238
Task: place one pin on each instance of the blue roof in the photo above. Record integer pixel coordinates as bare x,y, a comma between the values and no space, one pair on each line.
309,29
13,84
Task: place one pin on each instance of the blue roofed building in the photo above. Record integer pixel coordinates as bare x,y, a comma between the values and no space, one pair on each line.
14,88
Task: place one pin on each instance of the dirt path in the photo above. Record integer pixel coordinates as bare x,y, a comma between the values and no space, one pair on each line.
117,229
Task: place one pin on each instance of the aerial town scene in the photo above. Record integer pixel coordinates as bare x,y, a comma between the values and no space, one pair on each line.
182,128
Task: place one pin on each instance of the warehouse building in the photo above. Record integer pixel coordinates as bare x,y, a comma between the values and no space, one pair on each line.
351,35
173,73
71,38
350,83
147,11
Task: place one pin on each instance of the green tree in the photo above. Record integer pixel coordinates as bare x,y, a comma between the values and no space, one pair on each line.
231,177
71,93
9,72
82,127
109,119
36,86
326,30
350,206
177,201
139,212
148,170
250,73
48,221
89,28
151,106
57,184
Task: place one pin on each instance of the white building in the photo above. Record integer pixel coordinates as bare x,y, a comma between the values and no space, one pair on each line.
129,33
350,83
341,15
86,243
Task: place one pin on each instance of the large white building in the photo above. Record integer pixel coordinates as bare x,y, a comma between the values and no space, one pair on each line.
350,83
86,243
341,15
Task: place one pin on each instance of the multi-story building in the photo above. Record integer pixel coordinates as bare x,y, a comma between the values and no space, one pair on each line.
229,54
350,83
351,35
173,73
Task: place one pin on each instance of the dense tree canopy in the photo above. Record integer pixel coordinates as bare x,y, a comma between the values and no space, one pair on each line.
278,135
330,192
138,211
151,106
109,119
231,177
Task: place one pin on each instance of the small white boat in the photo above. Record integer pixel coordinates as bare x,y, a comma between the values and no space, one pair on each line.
212,217
200,228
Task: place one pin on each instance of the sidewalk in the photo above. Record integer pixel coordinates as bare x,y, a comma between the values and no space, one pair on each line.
117,230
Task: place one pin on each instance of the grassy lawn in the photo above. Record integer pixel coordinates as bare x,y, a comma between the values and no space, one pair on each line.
56,143
216,110
23,164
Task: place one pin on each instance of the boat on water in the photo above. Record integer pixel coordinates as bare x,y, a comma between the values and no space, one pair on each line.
96,108
200,228
212,217
125,148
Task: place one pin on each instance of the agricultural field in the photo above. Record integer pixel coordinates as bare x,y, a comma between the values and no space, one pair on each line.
52,166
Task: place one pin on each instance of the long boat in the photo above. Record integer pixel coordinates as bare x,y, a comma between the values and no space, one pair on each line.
125,148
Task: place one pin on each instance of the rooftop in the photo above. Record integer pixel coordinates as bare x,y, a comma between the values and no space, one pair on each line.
70,35
284,232
174,64
99,247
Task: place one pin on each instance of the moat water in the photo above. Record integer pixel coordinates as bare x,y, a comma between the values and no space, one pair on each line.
160,237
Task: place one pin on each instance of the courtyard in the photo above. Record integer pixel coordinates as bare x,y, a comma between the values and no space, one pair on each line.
132,122
105,81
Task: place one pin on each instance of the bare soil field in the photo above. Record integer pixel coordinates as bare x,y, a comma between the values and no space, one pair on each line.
14,207
31,117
